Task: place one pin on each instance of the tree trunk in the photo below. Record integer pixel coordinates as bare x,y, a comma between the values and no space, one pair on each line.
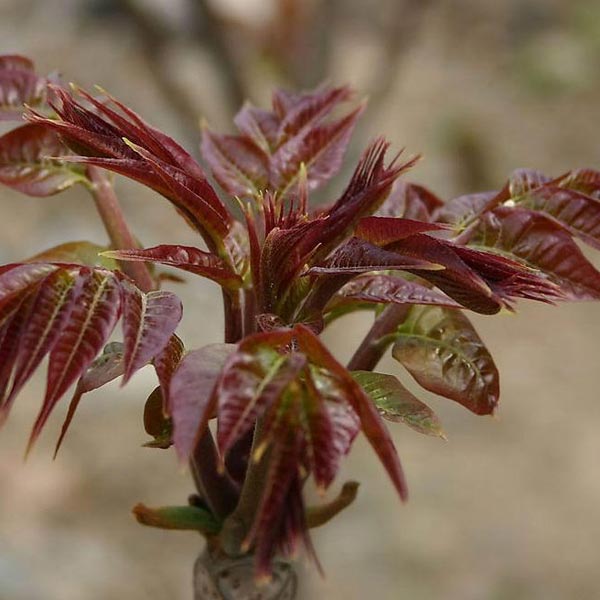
224,578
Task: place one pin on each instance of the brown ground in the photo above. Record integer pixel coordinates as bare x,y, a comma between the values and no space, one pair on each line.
507,509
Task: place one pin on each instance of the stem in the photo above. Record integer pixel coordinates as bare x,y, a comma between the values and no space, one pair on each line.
376,342
238,524
218,577
215,488
120,235
232,309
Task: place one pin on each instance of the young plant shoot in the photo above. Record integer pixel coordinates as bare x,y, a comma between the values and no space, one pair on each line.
286,410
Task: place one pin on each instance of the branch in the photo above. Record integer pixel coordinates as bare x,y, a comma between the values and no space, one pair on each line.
319,515
376,342
118,231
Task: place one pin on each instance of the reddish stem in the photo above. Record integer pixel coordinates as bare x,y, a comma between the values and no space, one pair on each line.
376,342
118,231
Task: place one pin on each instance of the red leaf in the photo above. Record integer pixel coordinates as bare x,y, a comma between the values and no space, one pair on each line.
305,111
9,62
464,209
92,320
382,231
10,341
129,146
268,528
19,85
16,278
456,278
320,149
50,311
576,212
186,258
254,377
368,188
191,398
586,181
28,161
370,421
440,348
149,320
541,244
258,125
523,181
107,367
240,167
165,364
410,201
358,256
385,289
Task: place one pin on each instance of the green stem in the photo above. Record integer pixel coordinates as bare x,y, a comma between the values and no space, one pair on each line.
120,235
377,340
238,524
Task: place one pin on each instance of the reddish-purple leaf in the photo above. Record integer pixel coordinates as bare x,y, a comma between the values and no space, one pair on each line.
92,320
359,256
10,341
524,181
254,377
541,244
107,367
382,231
370,421
50,311
258,125
9,62
195,199
320,149
165,364
305,111
191,398
576,212
127,145
240,167
586,181
464,209
186,258
385,289
410,201
16,278
330,424
149,321
397,404
19,85
457,278
28,161
368,188
440,348
268,528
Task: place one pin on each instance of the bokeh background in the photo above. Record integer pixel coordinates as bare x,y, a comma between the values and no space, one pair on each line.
507,508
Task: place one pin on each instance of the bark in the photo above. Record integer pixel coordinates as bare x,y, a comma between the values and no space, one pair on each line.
224,578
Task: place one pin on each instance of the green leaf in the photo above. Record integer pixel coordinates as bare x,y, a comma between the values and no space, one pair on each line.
440,348
28,162
397,404
79,253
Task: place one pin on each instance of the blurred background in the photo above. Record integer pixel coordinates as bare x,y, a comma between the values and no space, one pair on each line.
507,508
